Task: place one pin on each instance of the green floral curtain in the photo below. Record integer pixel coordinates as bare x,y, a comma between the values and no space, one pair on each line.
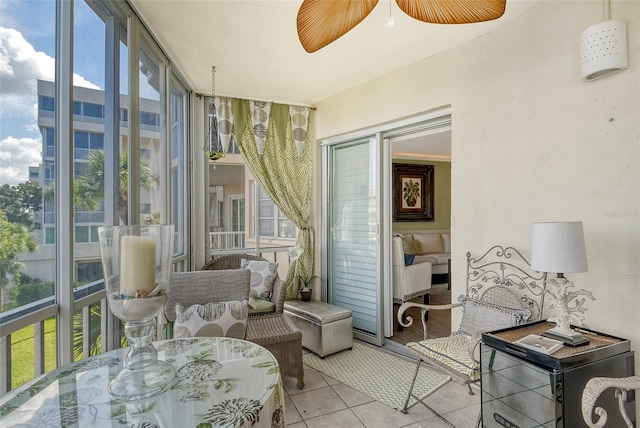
284,175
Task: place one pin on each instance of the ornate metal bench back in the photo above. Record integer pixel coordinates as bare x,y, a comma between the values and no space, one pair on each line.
508,268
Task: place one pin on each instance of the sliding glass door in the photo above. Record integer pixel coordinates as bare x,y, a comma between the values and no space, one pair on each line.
353,232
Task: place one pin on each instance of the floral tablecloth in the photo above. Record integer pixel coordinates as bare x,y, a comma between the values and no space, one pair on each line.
221,383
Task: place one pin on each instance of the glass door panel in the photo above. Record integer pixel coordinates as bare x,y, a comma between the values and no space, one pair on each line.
353,241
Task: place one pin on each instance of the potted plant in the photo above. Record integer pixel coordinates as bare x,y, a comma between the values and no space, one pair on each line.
214,155
303,278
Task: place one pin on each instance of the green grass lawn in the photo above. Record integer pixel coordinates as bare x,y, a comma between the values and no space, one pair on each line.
22,369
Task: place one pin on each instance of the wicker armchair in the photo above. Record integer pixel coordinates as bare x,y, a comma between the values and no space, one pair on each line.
232,261
270,329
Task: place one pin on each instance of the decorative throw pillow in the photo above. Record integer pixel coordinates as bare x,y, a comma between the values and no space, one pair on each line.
216,319
408,259
446,242
480,316
411,246
263,275
431,243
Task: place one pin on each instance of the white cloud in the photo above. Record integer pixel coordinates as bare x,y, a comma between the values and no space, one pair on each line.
16,155
21,66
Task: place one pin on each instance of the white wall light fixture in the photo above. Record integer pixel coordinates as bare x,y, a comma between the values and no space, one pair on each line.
603,48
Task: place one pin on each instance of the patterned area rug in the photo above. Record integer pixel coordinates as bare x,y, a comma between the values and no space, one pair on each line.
376,373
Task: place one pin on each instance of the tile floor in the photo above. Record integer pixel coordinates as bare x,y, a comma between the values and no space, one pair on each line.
325,402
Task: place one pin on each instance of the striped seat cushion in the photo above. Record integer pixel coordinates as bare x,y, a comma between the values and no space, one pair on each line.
451,351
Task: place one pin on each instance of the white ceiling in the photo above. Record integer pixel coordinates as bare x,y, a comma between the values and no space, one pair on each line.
255,48
430,146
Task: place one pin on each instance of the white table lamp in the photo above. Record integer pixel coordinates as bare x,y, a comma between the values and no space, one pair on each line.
559,247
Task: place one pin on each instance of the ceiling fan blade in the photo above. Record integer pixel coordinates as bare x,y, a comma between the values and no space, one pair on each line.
321,22
453,11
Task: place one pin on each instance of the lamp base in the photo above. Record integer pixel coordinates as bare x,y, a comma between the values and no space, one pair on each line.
570,338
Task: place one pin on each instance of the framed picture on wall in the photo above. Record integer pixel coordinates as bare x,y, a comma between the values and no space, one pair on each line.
413,192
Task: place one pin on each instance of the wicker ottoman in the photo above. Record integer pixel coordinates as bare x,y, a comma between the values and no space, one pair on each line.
274,333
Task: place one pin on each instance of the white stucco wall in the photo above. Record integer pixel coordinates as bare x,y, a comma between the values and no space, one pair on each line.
531,142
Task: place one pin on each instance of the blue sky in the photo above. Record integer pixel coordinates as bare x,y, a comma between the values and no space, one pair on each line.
27,51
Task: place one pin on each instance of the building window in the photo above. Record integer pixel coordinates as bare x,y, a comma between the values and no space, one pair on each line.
81,140
87,272
49,235
47,103
84,142
49,170
96,141
86,234
93,110
274,224
82,234
147,118
48,137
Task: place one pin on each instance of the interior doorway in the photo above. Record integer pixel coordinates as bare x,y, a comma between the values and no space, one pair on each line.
427,143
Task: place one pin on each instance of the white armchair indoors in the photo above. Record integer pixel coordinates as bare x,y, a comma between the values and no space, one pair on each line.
408,281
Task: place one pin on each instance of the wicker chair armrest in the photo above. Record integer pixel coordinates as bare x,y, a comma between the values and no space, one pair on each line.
277,295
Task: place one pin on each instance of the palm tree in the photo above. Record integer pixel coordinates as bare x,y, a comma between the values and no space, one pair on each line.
90,183
88,187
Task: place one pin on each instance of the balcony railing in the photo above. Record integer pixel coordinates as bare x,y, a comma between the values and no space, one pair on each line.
35,314
226,240
89,217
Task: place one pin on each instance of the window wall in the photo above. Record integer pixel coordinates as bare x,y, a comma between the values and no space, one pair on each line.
96,151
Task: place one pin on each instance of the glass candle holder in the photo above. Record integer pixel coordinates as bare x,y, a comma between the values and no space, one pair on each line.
137,266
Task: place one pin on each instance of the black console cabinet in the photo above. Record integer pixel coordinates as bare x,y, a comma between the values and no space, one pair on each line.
522,388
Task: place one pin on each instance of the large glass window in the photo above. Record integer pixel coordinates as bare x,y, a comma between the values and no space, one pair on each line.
28,50
178,170
152,140
100,140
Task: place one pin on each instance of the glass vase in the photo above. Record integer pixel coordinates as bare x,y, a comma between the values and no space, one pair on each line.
137,266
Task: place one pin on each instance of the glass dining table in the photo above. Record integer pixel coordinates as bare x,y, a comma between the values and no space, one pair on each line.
221,382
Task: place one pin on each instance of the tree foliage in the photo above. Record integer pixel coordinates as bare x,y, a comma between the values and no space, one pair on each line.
14,239
20,202
30,290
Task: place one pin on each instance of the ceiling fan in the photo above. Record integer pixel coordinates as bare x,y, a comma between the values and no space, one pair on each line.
321,22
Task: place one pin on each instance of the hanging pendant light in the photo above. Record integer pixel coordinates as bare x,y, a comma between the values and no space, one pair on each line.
212,145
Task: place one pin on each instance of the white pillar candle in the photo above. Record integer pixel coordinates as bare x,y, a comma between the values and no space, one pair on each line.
137,265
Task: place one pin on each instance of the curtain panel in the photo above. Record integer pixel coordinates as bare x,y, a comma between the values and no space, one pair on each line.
284,170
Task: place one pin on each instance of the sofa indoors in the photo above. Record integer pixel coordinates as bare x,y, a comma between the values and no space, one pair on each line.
409,281
433,246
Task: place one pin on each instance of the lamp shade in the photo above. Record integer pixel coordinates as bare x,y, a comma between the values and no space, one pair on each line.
558,247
